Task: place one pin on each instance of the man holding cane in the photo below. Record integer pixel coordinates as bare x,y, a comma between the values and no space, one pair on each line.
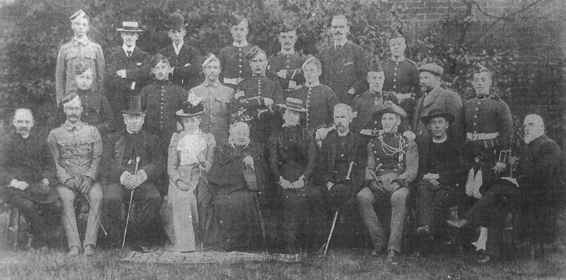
134,162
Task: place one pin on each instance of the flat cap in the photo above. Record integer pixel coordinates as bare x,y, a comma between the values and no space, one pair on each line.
432,68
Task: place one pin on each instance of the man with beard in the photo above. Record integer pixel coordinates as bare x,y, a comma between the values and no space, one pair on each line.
128,68
440,176
134,164
436,97
77,148
286,65
340,171
534,191
27,176
292,155
184,58
391,166
401,74
80,48
344,65
233,58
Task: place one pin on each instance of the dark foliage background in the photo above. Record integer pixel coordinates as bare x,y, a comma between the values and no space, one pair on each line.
522,47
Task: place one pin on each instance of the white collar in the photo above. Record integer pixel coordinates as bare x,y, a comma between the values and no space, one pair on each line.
240,45
128,49
342,134
311,85
177,48
284,52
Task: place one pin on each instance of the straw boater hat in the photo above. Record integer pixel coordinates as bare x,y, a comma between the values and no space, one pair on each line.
293,104
190,110
437,113
130,26
134,106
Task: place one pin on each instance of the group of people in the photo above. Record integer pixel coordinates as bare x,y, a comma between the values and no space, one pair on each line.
241,151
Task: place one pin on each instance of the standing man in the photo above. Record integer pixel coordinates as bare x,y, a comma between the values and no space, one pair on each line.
80,48
128,69
184,58
77,148
27,176
391,166
286,65
235,67
134,165
344,65
436,97
401,74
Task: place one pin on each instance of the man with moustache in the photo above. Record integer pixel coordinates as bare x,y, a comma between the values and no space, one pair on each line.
184,59
344,64
128,68
286,65
436,97
27,176
77,148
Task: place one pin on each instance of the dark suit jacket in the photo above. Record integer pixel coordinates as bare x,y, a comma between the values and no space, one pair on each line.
539,168
187,73
116,161
449,167
443,99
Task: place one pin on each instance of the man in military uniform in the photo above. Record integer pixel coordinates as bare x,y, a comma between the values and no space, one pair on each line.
344,65
436,97
77,149
401,74
134,163
128,68
80,48
184,59
292,155
286,65
392,164
233,58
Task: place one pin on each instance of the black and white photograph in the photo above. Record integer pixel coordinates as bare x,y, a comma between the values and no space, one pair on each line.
282,139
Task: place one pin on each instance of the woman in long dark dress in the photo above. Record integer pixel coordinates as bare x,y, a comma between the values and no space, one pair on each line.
233,181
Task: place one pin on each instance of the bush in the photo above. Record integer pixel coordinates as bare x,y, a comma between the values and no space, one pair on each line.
513,47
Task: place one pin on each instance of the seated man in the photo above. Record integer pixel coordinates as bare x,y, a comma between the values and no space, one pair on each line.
440,172
134,163
27,176
533,191
392,164
77,148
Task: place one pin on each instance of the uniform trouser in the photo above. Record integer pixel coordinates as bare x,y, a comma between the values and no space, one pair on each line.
366,202
432,203
94,197
144,213
303,212
498,195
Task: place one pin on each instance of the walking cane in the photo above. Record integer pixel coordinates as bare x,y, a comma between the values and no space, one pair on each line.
335,219
130,205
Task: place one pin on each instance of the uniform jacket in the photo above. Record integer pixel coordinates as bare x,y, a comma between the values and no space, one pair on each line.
121,150
69,54
445,100
76,150
188,72
487,115
292,63
401,76
319,102
217,99
234,62
137,76
335,156
344,68
366,105
96,111
292,153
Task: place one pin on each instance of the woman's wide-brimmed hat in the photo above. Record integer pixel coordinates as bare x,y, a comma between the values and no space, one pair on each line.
190,110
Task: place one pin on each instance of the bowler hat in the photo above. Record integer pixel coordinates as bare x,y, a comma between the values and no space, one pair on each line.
129,26
432,68
176,21
134,106
293,104
190,110
437,113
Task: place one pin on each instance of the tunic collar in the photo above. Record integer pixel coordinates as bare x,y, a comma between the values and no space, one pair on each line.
398,59
83,41
70,127
311,85
208,83
240,45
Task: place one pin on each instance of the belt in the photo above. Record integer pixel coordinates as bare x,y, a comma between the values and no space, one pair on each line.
481,136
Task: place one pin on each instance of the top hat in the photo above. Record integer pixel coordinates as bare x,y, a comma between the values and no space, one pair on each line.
176,21
129,26
437,113
190,110
432,68
134,106
294,104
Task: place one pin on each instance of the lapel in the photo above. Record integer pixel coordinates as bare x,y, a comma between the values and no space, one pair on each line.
433,96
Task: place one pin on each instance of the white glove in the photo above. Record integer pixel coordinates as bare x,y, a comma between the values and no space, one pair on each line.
249,162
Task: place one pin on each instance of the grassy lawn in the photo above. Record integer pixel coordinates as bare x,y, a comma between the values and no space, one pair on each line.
338,265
